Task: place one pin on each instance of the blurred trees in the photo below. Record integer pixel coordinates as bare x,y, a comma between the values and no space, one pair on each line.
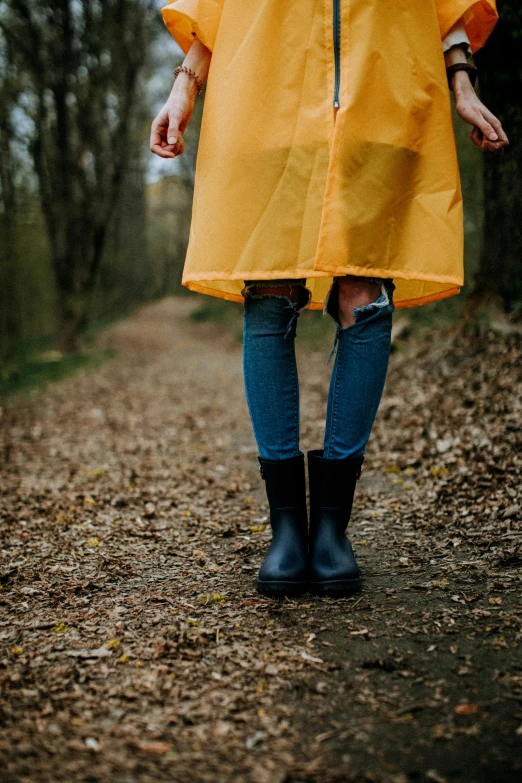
80,63
499,277
9,92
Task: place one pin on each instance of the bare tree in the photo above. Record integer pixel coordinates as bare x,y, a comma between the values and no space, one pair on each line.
83,59
9,91
499,278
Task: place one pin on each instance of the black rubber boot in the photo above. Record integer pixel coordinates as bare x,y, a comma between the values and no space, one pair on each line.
333,568
285,570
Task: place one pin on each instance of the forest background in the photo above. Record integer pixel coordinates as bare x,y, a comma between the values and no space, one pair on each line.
92,225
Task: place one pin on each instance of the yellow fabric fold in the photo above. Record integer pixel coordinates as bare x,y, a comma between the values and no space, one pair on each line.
479,18
186,18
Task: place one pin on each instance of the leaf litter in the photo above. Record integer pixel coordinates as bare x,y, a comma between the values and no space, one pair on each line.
133,644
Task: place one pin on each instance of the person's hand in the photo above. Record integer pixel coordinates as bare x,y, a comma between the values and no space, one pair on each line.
166,137
487,134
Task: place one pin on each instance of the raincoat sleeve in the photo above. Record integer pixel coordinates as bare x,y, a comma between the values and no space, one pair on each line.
186,18
479,18
457,36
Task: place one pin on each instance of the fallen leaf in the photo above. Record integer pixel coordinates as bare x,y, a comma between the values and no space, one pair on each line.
156,747
466,709
99,652
253,740
306,657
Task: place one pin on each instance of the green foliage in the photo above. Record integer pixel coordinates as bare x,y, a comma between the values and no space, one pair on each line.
28,369
216,311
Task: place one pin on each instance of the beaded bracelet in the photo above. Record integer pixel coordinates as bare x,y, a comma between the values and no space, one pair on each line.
190,72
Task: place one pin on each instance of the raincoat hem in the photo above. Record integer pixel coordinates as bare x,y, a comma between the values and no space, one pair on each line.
357,271
422,300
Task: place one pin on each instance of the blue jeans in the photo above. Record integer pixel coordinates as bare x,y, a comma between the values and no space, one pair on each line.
270,371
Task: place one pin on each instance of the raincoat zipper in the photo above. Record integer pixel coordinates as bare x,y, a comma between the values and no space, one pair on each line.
337,49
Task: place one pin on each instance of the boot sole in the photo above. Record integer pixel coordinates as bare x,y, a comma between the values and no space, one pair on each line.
336,589
282,588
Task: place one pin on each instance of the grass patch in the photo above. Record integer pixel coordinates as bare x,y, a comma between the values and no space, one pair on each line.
228,316
25,372
217,311
440,315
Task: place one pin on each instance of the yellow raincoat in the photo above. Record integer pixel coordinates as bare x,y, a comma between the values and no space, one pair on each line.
327,144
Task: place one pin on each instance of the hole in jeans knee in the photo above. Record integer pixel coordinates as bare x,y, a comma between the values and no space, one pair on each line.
332,304
331,307
383,300
295,292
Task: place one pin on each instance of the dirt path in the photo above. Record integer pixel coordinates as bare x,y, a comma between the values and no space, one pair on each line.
133,646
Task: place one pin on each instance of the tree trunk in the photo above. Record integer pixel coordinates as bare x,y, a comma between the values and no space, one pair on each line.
71,322
499,277
9,305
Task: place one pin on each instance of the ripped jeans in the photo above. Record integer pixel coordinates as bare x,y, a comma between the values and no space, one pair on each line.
270,369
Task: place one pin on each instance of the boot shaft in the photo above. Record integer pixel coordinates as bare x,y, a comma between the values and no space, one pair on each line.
285,569
284,482
332,487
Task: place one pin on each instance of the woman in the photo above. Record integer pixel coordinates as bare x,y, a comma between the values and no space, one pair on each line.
327,178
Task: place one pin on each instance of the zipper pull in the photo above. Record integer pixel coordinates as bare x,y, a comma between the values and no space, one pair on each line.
336,104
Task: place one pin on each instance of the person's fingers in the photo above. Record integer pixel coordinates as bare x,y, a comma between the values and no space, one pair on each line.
155,135
494,122
173,132
487,130
475,113
485,144
165,150
490,146
166,137
497,125
496,147
160,149
178,147
476,137
157,143
487,133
